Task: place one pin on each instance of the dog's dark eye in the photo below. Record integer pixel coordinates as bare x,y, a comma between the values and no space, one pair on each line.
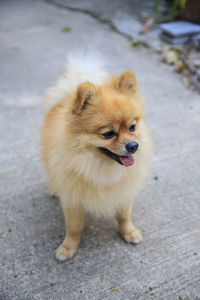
109,134
132,128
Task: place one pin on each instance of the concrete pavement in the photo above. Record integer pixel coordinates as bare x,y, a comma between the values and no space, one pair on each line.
167,210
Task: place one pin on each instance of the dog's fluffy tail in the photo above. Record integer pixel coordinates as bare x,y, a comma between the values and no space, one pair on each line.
80,68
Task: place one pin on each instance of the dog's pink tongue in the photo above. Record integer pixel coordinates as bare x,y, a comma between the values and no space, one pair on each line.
127,160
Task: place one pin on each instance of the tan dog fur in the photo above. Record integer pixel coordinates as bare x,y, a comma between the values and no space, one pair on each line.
78,173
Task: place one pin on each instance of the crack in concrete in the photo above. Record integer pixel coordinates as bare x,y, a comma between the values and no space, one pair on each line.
133,41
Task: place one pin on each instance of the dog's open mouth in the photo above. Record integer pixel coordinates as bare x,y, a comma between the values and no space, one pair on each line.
123,160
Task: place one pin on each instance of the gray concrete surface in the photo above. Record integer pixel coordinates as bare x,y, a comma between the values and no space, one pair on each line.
167,264
128,16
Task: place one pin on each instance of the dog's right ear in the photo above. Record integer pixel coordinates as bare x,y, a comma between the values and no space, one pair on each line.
84,93
126,83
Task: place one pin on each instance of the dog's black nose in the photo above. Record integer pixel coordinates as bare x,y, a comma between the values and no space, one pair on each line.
132,147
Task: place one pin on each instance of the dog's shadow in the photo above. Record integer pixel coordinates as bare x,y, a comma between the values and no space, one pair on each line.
97,232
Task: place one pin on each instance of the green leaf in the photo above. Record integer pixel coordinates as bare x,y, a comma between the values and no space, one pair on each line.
155,5
171,56
106,21
182,3
66,29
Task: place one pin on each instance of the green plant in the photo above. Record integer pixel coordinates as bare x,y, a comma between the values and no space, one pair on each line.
176,7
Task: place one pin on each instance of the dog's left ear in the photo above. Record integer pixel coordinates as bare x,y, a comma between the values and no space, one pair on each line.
85,92
126,82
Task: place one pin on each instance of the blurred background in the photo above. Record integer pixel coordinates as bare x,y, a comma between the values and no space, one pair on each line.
159,41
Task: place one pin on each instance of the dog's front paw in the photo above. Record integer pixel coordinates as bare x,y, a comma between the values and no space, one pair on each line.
134,236
64,252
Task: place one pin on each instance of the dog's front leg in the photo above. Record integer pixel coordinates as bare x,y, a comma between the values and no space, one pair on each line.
74,220
126,228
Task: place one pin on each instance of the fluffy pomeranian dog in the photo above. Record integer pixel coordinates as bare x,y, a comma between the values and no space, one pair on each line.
95,147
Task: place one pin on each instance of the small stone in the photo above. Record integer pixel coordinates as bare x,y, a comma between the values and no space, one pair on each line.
196,63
